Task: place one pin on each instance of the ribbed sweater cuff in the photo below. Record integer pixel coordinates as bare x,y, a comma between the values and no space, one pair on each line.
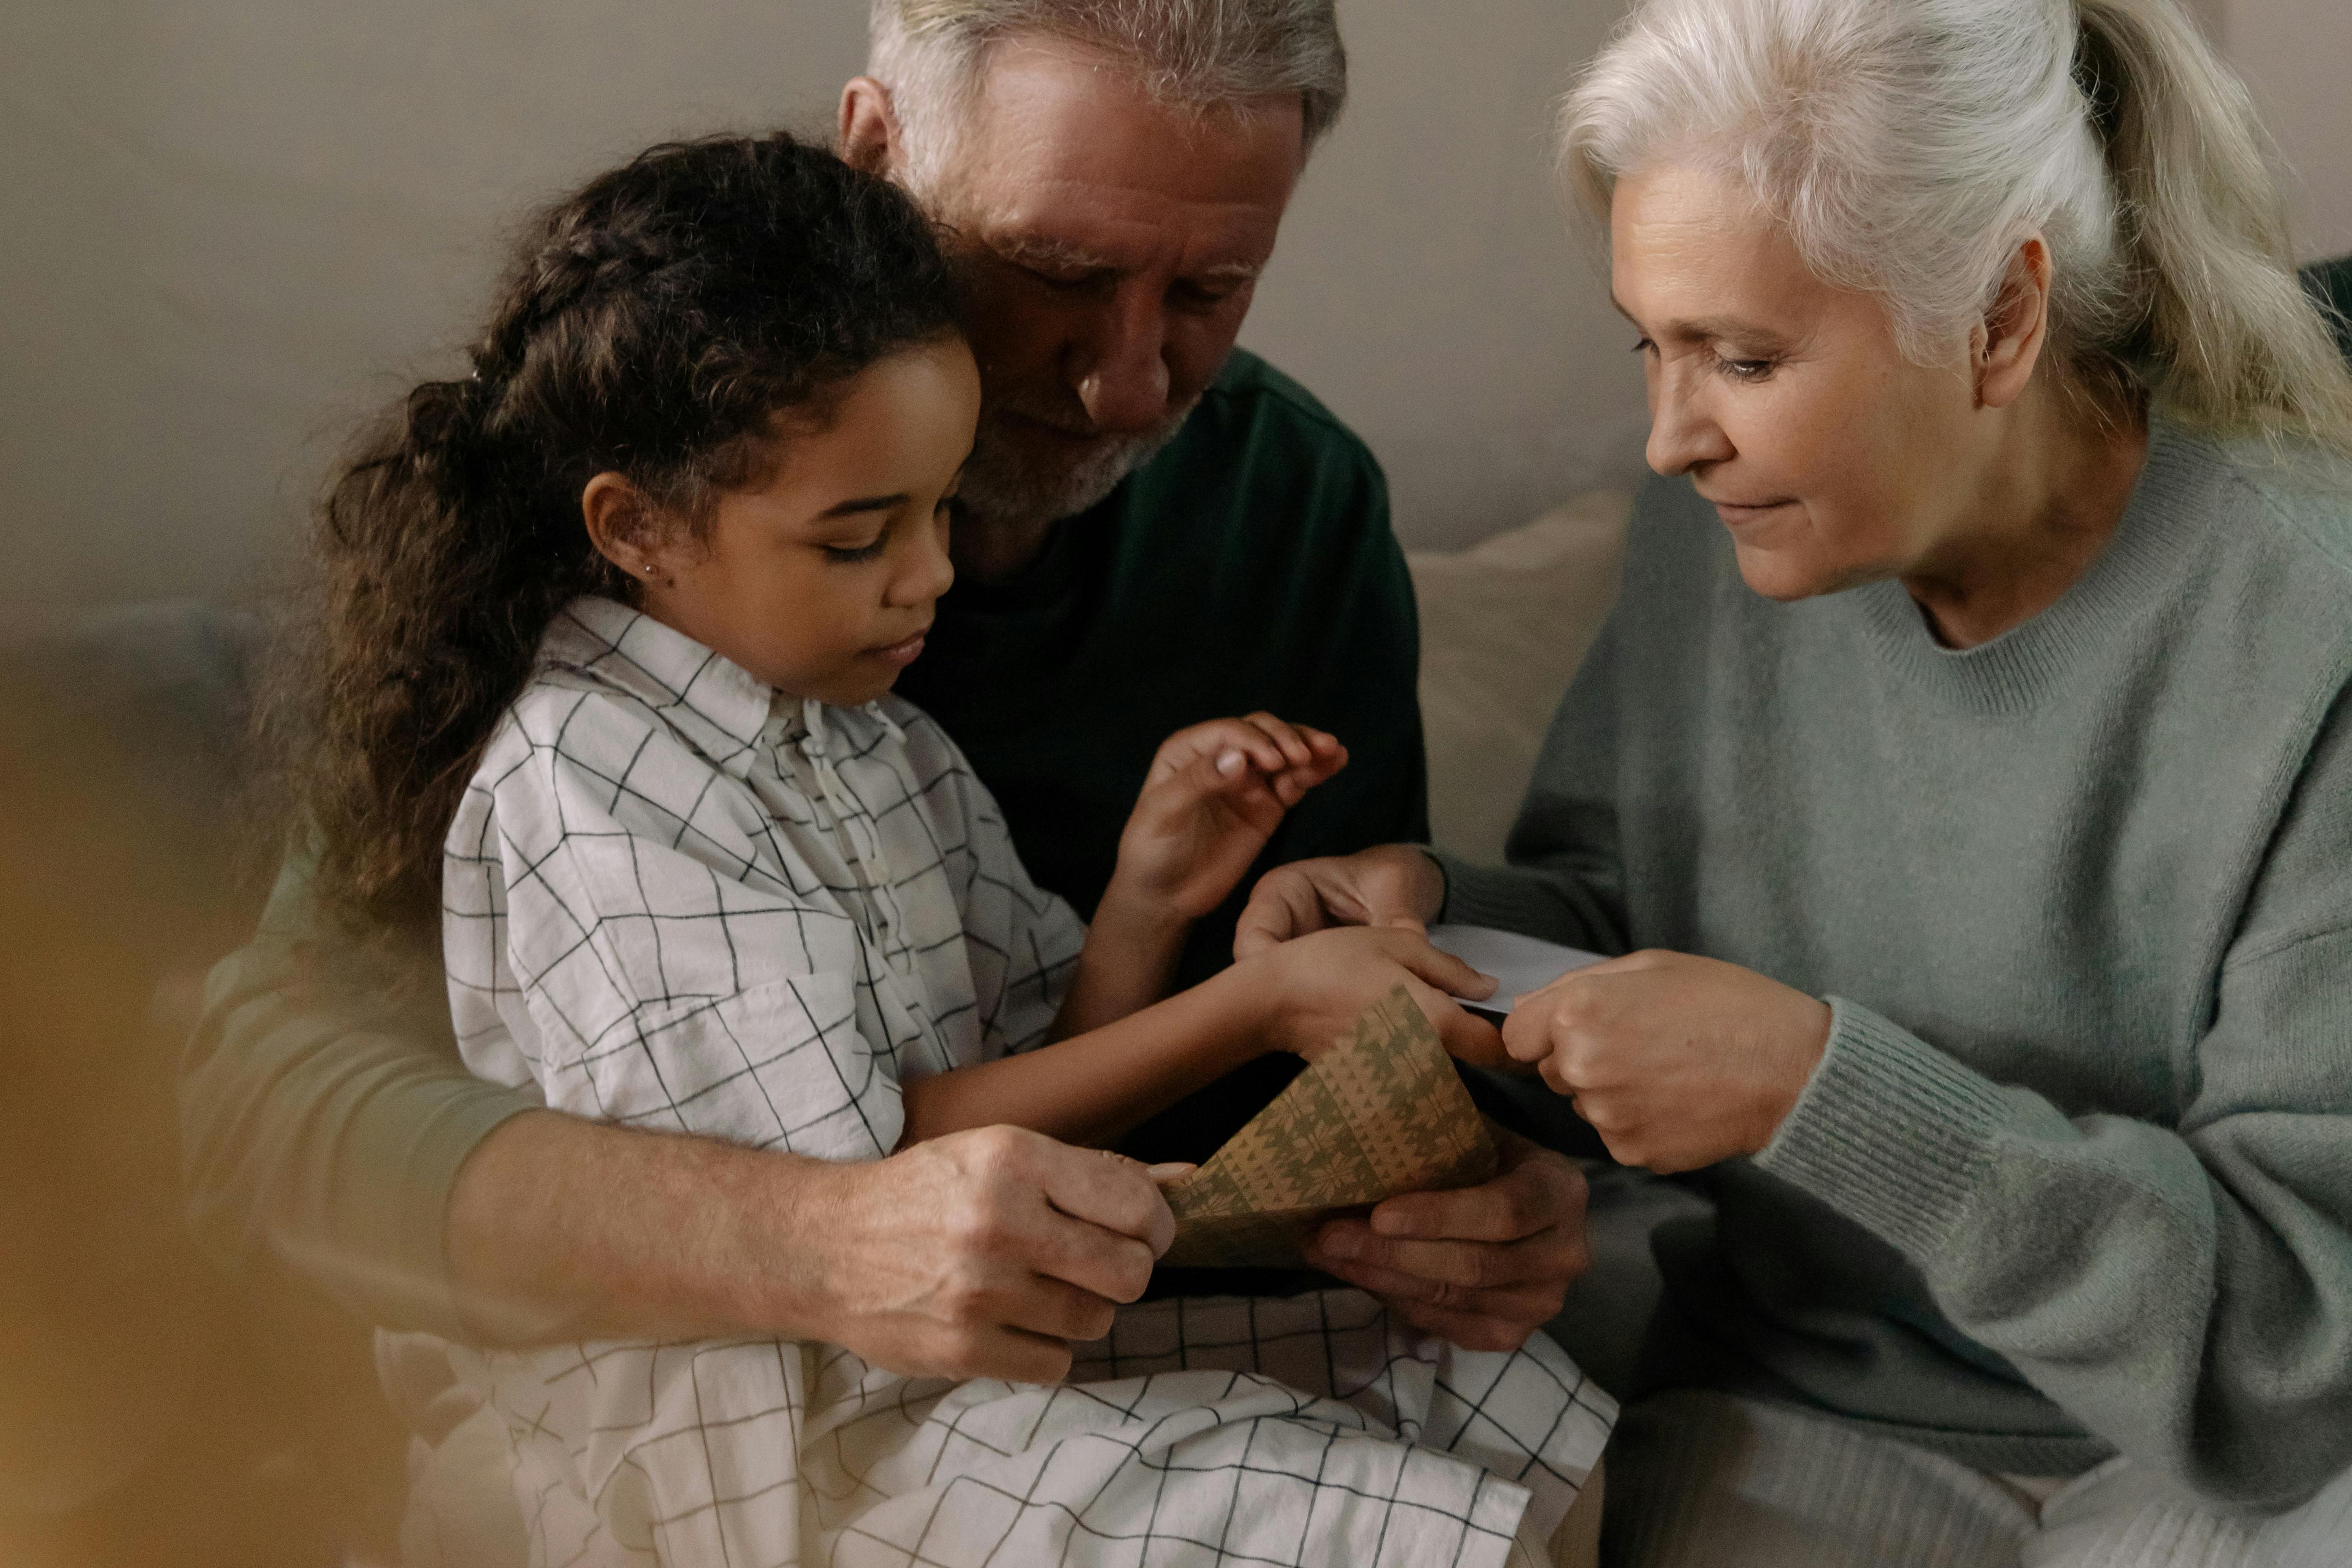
1890,1131
447,1139
1505,897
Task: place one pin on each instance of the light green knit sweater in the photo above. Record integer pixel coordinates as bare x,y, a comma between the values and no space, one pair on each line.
2076,1175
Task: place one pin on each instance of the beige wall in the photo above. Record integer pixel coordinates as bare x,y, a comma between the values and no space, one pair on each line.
236,224
1431,287
2297,55
233,225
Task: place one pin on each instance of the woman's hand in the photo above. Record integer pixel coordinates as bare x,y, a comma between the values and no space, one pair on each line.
1305,994
1676,1061
1390,885
1216,793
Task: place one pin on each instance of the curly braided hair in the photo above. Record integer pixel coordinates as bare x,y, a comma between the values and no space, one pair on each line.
668,323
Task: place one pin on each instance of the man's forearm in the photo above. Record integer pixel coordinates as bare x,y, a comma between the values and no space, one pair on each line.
980,1255
565,1229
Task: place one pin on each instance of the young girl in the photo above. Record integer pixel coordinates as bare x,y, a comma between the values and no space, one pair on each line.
616,619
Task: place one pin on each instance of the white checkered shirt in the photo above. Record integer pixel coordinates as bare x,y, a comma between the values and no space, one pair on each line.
679,899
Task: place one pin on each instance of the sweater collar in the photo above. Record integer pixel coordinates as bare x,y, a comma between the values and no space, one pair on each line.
2155,547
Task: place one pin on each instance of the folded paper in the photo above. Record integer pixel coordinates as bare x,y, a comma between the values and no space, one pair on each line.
1518,964
1380,1113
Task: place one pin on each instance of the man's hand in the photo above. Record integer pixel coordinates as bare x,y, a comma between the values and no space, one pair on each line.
1390,885
984,1254
978,1254
1484,1267
1677,1061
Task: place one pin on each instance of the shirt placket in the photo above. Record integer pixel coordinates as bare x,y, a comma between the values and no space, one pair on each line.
860,833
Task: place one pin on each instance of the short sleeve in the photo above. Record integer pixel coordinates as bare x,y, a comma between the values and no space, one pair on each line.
618,926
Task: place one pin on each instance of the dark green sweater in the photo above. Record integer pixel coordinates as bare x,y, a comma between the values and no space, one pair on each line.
1248,565
2076,1175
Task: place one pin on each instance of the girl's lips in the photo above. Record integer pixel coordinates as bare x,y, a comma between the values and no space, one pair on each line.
905,652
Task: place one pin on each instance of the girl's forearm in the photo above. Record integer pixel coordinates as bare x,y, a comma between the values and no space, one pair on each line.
1091,1088
1129,956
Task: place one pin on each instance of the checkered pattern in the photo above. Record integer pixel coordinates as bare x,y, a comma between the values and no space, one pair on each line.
676,900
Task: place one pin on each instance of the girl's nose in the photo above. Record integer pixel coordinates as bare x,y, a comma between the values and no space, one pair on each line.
925,572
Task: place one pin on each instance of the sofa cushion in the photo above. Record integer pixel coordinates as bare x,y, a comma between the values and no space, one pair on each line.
1503,625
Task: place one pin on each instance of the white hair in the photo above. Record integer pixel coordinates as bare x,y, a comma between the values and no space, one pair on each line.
1911,146
1200,54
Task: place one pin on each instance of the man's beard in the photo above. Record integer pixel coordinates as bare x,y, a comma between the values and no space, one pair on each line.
1009,479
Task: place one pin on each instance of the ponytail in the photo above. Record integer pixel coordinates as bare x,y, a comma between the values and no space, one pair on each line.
440,574
2226,334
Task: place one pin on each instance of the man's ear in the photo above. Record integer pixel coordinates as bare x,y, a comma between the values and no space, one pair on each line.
2008,344
624,526
869,127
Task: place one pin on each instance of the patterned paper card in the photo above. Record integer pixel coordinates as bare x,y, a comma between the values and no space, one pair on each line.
1380,1113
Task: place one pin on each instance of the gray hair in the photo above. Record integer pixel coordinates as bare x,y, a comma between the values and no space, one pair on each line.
1911,146
1201,53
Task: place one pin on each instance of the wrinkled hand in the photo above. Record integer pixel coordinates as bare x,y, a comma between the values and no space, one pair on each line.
1484,1267
1676,1061
1213,795
985,1253
1390,885
1308,992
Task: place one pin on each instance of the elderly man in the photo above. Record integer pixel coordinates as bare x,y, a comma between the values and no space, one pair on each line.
1158,528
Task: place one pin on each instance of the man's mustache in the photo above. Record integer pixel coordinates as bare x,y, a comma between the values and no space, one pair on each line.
1076,424
1073,422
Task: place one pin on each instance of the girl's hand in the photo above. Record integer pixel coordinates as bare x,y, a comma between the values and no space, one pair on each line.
1676,1061
1214,795
1306,993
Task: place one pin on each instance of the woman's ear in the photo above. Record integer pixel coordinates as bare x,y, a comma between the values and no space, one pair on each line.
2008,344
869,127
625,527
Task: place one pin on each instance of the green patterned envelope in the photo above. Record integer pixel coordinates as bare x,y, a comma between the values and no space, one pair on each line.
1380,1113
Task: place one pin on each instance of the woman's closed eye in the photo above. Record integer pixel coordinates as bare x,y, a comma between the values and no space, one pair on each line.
1739,370
1745,370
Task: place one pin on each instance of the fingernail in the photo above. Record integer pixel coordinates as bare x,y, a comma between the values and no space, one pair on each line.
1390,1224
1232,762
1343,1245
1172,1170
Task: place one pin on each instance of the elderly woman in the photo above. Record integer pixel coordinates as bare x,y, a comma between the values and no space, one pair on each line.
1966,776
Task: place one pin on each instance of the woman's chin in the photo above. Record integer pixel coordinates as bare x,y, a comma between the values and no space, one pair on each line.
1787,575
